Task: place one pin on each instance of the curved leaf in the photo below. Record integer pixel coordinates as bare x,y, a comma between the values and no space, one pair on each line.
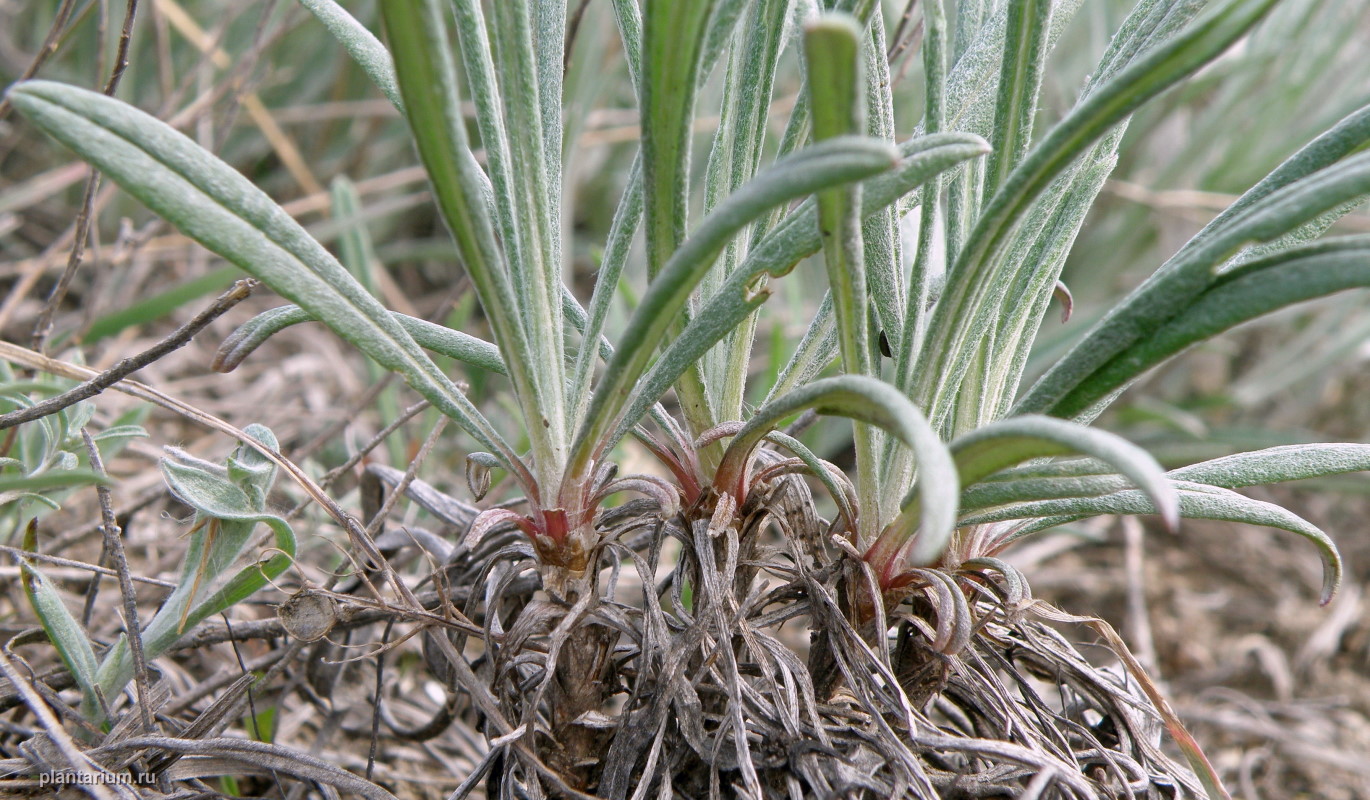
994,493
216,206
361,44
1197,501
826,164
1278,464
1010,442
1007,443
826,472
1251,290
1091,478
792,240
437,338
1305,188
866,400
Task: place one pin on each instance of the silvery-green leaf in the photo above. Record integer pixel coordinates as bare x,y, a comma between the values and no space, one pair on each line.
52,480
359,43
1010,442
1323,175
826,164
875,403
974,284
63,630
436,338
1251,290
789,242
1197,501
427,74
215,205
1278,464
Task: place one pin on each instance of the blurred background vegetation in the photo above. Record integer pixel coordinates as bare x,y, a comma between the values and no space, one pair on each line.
1280,687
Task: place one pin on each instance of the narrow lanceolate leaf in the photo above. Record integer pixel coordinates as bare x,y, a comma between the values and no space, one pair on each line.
623,229
874,403
1011,442
528,84
1149,23
819,167
478,66
1251,290
57,479
974,286
673,34
1197,501
361,44
880,231
65,633
1042,258
1020,81
437,338
815,352
921,273
794,239
734,158
1308,185
628,15
1278,464
1090,478
428,80
723,21
832,48
358,255
213,204
994,493
971,84
356,250
674,42
971,95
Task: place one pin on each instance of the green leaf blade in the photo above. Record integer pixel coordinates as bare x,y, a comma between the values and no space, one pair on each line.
219,208
361,44
1196,502
875,403
65,633
821,166
973,283
1011,442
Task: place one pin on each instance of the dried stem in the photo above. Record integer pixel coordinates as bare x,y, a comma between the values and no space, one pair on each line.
114,546
43,327
50,45
178,339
